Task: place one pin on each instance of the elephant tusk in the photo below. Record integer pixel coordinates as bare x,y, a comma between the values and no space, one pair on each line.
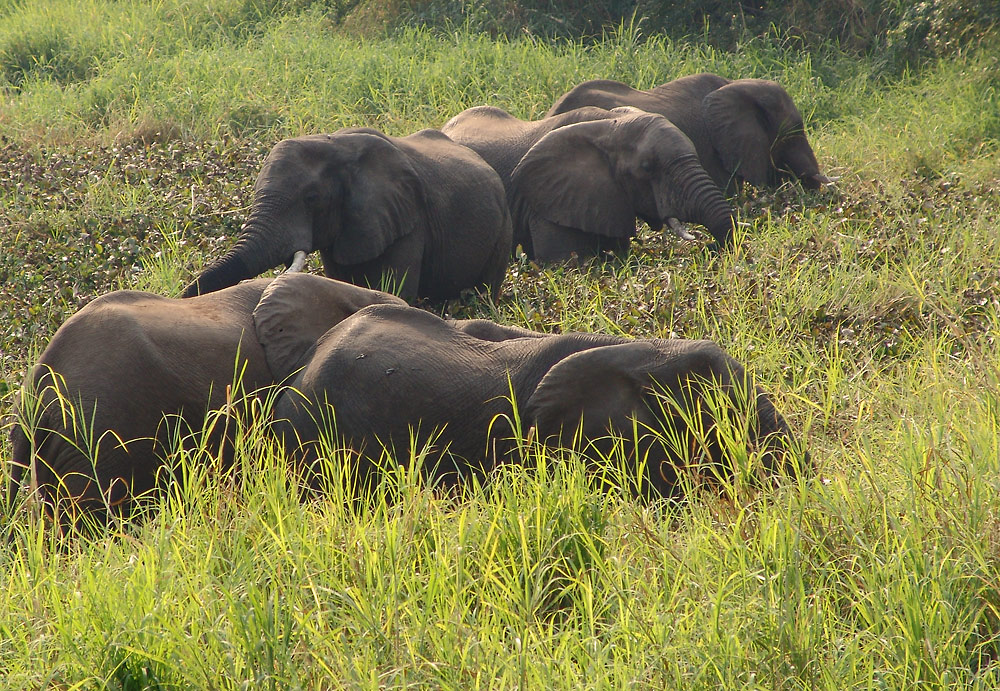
678,229
825,180
298,261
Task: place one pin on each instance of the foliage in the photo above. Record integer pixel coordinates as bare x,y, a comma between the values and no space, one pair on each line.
906,31
941,27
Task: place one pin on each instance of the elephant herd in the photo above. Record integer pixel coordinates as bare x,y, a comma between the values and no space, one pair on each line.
428,215
439,211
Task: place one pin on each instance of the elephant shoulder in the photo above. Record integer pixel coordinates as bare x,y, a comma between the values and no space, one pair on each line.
486,330
112,313
478,116
346,131
582,114
435,145
602,86
446,166
121,298
378,338
389,319
605,93
702,83
485,127
431,135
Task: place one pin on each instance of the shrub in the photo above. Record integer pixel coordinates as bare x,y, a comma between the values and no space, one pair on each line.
940,27
910,31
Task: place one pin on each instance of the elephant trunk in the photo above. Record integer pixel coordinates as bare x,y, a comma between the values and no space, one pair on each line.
703,202
798,159
259,247
775,438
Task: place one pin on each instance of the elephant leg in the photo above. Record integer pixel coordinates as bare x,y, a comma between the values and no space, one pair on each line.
73,491
555,243
526,246
496,269
398,270
616,245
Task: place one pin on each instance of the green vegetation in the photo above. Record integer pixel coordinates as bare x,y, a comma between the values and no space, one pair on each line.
130,134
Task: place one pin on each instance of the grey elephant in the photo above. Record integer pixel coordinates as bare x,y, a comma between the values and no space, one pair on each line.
577,181
419,213
131,369
747,129
390,372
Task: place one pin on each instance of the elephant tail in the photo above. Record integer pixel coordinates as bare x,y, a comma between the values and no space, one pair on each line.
19,461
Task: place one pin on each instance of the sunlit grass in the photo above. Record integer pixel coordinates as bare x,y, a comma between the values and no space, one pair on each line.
870,313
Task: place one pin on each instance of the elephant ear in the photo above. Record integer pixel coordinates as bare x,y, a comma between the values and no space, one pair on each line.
296,309
605,386
384,199
568,179
615,383
739,125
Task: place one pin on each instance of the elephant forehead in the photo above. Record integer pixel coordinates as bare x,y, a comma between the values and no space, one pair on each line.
654,130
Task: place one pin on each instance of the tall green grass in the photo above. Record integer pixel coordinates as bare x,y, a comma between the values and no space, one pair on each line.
297,75
132,132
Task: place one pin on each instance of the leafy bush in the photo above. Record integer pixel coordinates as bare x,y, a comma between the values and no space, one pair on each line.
855,24
910,31
547,18
940,27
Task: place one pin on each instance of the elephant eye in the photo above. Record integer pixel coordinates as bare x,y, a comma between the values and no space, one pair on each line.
311,197
647,164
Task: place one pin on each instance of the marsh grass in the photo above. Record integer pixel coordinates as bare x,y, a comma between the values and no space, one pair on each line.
131,134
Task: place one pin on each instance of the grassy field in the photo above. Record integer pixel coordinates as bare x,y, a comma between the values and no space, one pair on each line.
130,135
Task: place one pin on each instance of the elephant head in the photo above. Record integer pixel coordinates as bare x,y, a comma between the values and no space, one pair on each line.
748,129
656,395
758,134
351,195
598,176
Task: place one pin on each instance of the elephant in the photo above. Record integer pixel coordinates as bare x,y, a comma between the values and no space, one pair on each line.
577,181
388,372
747,129
130,370
420,213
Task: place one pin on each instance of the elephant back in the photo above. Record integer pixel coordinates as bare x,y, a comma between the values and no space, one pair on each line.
502,140
603,93
468,221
